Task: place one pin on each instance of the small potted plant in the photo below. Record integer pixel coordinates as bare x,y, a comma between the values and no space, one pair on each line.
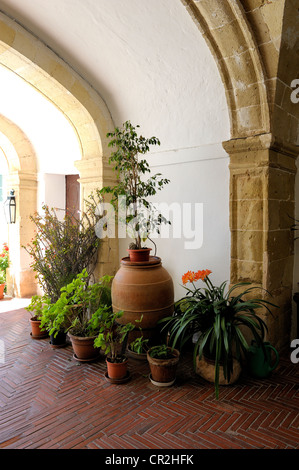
112,339
217,318
78,311
47,318
35,308
163,361
133,191
138,348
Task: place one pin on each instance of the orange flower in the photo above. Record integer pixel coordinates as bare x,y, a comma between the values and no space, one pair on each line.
188,277
198,275
205,273
191,276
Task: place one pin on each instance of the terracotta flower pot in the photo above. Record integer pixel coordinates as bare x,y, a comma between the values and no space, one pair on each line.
206,369
2,287
139,255
163,371
117,370
36,331
83,348
137,356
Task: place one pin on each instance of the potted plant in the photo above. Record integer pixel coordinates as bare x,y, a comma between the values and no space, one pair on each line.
138,348
163,361
218,318
131,200
79,310
47,318
63,246
4,264
35,308
112,339
133,191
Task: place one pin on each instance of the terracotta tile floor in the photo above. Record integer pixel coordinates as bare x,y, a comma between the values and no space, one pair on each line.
50,401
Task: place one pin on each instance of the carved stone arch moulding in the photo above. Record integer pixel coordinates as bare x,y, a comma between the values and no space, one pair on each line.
225,28
262,169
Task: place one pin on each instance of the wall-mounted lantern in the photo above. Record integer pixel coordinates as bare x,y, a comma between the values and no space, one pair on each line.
10,208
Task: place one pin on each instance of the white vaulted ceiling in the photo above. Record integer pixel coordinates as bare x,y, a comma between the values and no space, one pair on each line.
147,60
150,64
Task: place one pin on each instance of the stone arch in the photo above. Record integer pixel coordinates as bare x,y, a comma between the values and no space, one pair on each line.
22,177
24,158
231,41
29,58
262,161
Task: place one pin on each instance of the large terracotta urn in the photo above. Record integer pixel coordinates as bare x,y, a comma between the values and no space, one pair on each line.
143,289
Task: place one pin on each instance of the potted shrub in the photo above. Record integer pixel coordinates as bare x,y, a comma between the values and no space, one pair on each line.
35,308
133,191
4,264
63,246
112,339
78,311
163,361
217,318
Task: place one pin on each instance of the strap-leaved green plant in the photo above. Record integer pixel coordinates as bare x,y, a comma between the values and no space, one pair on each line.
218,316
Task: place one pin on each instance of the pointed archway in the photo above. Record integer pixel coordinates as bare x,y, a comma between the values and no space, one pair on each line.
22,177
31,60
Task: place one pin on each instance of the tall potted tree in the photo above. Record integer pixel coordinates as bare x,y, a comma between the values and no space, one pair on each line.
132,192
141,288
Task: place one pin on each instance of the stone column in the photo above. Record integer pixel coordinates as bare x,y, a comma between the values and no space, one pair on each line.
262,182
95,173
21,280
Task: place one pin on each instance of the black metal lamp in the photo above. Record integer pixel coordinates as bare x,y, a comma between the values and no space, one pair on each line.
10,208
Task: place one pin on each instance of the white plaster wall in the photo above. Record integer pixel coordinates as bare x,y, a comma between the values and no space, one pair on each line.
150,64
200,181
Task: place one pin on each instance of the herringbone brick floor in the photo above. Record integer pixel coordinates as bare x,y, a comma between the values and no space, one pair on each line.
50,401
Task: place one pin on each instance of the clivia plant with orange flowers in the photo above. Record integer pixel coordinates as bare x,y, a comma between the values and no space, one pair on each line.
217,318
